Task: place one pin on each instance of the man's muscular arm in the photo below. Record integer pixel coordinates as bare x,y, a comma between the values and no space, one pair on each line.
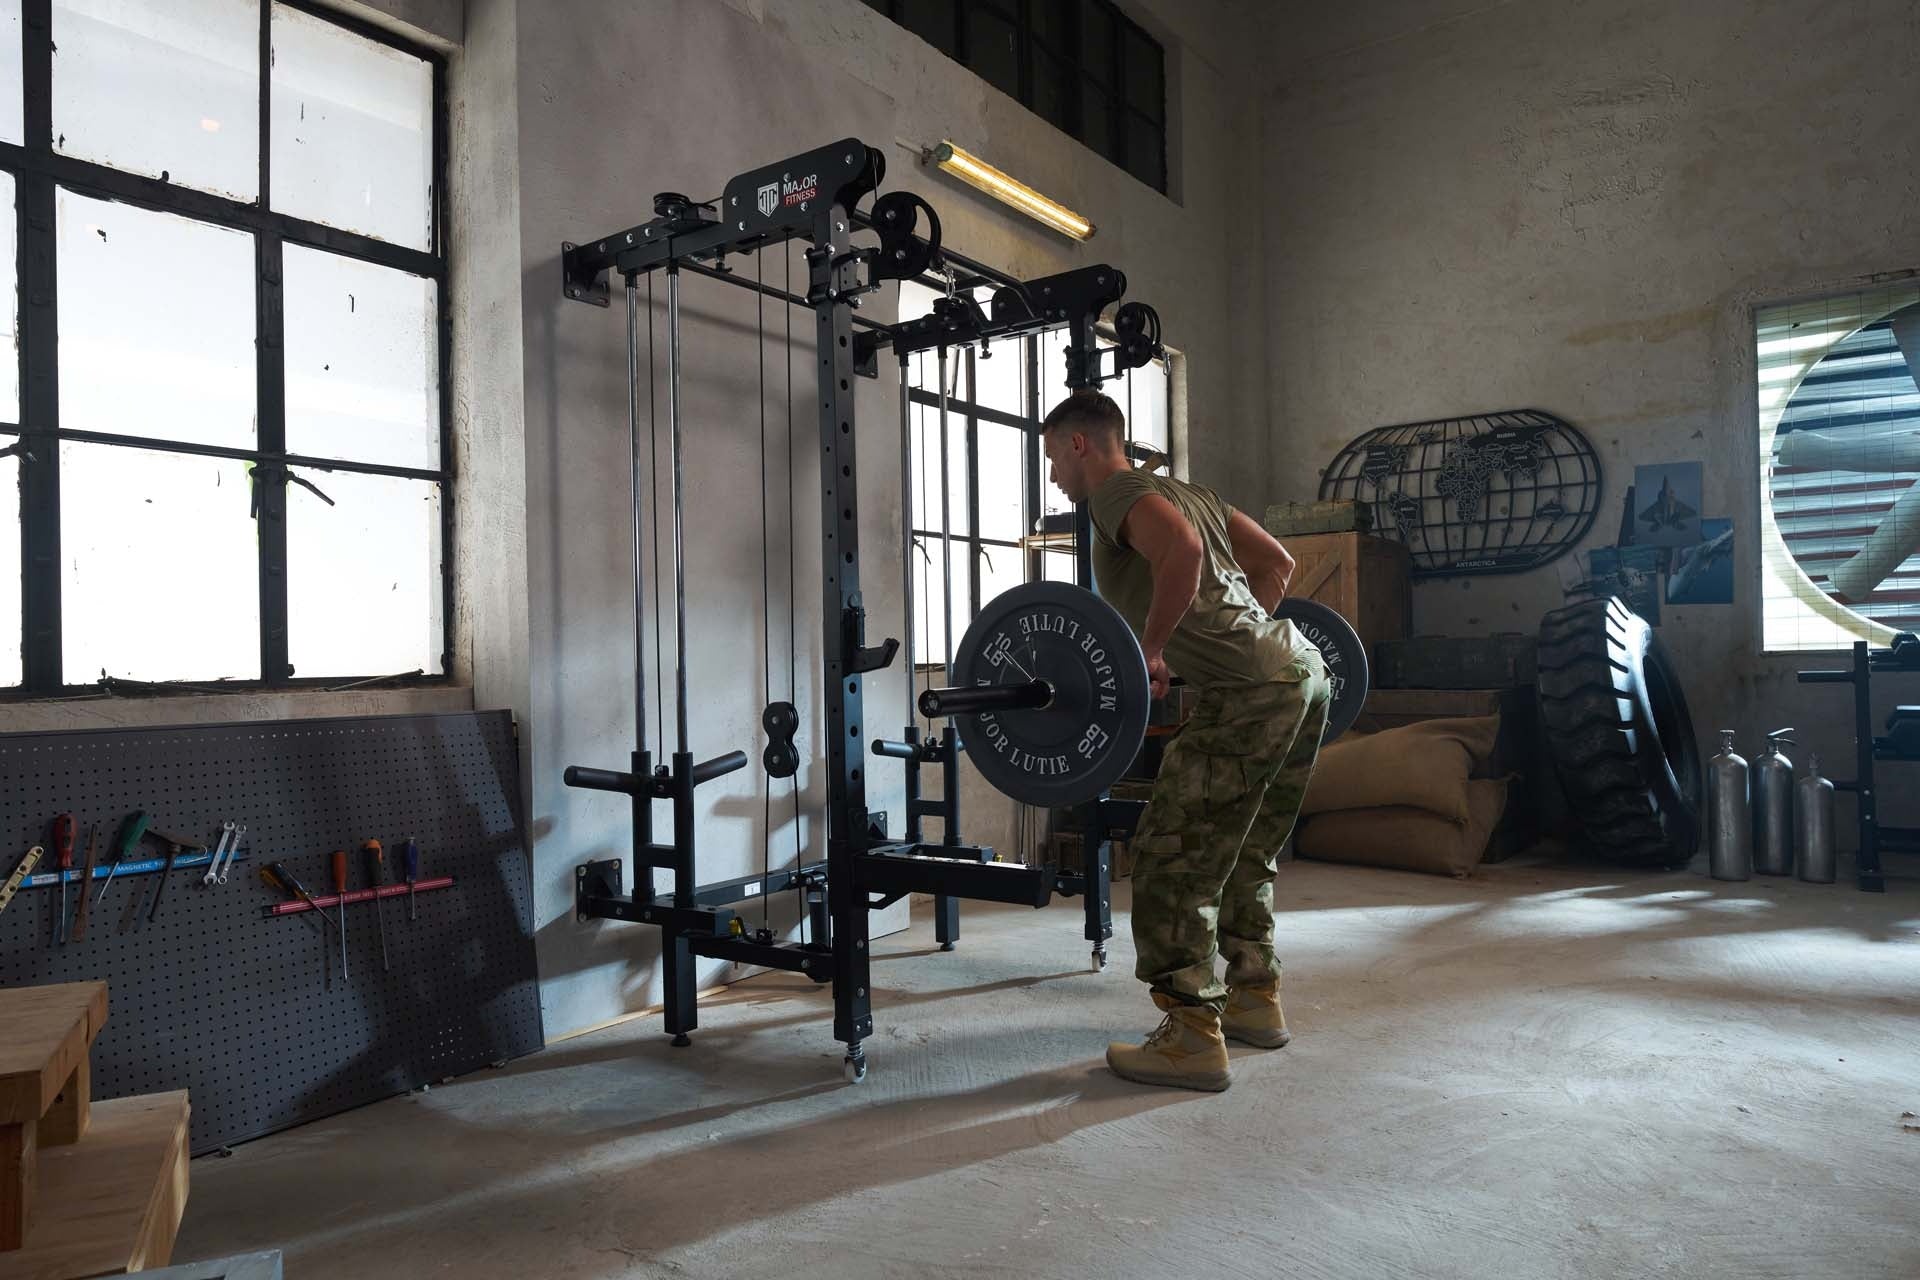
1155,528
1268,567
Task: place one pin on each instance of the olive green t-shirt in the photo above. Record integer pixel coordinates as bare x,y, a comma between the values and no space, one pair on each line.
1225,636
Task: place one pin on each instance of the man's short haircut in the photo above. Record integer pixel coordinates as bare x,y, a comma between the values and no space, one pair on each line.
1091,413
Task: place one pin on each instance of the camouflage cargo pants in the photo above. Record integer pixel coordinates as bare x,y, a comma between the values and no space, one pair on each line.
1230,786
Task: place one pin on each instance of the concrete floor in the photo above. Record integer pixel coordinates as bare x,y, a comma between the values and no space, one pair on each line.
1540,1072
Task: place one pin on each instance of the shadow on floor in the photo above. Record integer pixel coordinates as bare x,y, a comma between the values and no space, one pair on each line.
683,1196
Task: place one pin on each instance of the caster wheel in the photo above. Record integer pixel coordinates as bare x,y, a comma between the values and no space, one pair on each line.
854,1069
1099,963
946,946
682,1040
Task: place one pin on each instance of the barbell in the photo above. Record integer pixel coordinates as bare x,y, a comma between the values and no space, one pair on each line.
1051,696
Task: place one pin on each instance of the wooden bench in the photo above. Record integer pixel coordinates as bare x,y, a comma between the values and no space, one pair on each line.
89,1189
43,1085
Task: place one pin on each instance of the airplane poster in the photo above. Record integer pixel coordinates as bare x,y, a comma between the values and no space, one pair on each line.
1632,573
1703,573
1666,499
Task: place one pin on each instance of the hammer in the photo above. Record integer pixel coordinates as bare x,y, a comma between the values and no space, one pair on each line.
176,845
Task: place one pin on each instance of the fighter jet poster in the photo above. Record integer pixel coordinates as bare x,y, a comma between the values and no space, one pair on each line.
1703,573
1666,498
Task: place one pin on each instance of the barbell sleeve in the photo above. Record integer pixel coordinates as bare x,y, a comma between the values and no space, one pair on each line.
997,697
718,767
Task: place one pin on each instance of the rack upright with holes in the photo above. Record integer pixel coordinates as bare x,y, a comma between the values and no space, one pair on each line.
1874,836
813,198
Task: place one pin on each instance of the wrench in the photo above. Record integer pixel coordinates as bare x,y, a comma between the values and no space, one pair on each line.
232,849
226,834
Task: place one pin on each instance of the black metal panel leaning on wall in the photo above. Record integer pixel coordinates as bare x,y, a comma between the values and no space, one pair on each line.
215,996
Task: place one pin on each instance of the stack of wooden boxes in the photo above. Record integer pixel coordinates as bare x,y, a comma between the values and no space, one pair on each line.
86,1189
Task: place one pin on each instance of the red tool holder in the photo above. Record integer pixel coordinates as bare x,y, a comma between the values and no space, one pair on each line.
359,895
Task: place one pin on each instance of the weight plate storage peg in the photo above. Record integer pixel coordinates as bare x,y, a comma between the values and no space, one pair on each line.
1346,659
1051,695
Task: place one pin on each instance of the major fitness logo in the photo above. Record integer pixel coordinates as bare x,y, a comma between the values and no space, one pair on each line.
786,193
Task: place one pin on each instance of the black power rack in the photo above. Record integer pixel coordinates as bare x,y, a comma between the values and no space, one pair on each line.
814,197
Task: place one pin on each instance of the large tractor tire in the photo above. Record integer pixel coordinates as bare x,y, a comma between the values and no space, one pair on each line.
1616,724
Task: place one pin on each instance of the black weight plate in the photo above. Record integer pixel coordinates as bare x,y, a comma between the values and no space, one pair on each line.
1083,741
1341,650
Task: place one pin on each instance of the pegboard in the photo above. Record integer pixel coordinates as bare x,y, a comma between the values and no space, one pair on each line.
217,998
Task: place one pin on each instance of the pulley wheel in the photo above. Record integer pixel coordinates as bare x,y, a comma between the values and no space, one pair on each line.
1087,735
1341,650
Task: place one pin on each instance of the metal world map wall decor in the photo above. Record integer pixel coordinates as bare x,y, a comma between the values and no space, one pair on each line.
1492,493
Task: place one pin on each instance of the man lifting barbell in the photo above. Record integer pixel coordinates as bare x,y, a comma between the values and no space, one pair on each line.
1197,581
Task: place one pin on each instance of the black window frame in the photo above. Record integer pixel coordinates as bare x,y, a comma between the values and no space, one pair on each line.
39,172
965,414
963,410
1110,79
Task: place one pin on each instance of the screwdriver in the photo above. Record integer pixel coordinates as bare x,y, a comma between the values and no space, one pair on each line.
63,859
340,888
131,831
410,856
86,878
277,875
377,873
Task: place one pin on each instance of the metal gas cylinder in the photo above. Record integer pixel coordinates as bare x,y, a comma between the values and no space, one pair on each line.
1729,817
1772,785
1814,856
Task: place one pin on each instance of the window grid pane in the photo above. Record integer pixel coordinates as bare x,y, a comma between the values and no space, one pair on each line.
352,131
159,578
362,356
156,324
13,125
165,88
9,308
10,624
366,577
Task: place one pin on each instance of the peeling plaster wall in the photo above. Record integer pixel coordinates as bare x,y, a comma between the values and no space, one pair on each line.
1575,206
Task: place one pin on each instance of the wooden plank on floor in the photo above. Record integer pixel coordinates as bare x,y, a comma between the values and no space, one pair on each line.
111,1203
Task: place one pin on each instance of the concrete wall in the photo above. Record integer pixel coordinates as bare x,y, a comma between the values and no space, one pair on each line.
1574,205
625,99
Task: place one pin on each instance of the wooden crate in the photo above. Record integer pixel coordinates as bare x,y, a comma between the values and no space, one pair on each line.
1294,519
1503,661
1364,579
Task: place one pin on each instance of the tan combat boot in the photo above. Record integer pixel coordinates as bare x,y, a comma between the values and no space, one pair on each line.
1185,1051
1253,1016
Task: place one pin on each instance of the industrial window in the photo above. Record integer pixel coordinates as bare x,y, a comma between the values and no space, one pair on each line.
223,447
1081,65
997,488
1839,427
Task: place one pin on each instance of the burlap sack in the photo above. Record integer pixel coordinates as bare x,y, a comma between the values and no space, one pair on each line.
1417,766
1407,839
